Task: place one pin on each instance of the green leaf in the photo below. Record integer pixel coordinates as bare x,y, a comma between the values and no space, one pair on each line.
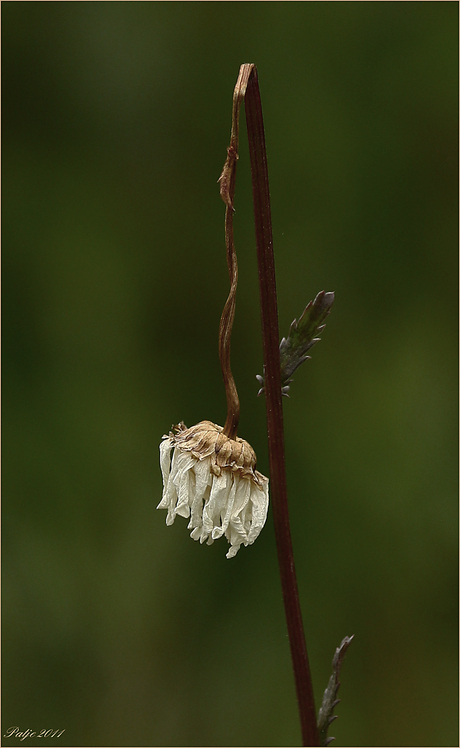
330,699
302,336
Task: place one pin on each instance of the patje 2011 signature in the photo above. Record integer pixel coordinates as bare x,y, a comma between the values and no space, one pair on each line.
15,732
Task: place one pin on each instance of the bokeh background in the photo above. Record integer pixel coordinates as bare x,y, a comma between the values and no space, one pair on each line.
116,119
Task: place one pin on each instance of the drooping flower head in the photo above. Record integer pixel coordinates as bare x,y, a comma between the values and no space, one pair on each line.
212,480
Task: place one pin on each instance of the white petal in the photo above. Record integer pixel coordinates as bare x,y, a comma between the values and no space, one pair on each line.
184,482
259,499
165,458
164,503
181,461
169,501
219,531
176,488
165,465
185,493
235,537
233,550
171,498
171,493
237,532
195,534
203,479
220,490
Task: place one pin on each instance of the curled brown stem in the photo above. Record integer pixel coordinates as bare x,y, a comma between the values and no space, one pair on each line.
227,190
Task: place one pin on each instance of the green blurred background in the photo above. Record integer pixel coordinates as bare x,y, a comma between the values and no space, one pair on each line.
116,119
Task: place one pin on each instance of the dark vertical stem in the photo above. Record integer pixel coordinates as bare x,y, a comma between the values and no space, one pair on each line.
278,490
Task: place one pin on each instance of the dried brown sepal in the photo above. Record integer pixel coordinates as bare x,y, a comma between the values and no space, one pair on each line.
207,439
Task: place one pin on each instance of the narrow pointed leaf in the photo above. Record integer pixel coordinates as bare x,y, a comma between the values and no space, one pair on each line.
330,700
301,338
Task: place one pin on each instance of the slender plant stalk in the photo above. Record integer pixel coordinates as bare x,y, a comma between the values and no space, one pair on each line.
247,89
226,323
227,190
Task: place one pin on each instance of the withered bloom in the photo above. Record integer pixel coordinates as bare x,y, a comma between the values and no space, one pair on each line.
212,479
212,476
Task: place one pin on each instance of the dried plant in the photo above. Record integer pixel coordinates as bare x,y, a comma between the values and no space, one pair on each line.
212,477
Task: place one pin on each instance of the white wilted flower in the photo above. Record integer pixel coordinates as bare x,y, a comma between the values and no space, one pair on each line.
212,479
